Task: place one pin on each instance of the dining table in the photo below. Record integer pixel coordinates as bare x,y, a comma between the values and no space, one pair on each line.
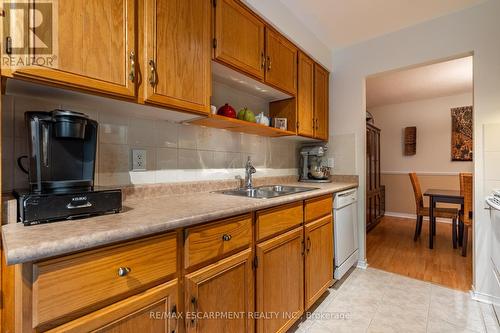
442,196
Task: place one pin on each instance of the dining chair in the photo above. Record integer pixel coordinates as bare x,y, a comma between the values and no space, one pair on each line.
421,210
466,219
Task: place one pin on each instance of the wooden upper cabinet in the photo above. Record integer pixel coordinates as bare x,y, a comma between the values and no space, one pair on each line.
175,54
94,47
280,281
319,258
321,102
239,38
281,62
305,95
224,287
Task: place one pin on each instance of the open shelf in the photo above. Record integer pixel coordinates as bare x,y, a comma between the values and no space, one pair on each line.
236,125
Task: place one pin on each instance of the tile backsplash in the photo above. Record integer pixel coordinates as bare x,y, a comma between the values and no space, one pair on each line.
174,152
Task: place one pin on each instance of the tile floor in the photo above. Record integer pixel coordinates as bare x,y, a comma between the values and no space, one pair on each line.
376,301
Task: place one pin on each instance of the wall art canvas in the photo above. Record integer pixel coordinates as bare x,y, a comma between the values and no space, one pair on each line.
461,133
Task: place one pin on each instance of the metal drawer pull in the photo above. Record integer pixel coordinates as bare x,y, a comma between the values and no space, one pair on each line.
194,303
153,77
123,271
85,205
268,63
226,237
131,75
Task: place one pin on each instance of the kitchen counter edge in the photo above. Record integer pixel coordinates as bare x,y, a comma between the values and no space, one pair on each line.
41,249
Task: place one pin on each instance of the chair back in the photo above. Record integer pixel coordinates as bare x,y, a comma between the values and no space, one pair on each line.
415,183
466,192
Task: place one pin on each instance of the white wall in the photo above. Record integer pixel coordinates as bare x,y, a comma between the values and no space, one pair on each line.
474,30
432,117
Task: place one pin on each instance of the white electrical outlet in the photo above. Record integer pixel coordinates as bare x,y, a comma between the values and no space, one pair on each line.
139,160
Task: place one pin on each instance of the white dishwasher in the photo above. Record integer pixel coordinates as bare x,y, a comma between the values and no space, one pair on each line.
345,221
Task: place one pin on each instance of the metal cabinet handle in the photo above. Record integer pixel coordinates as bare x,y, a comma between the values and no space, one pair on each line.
308,244
173,313
268,63
153,76
262,60
123,271
194,303
226,237
131,75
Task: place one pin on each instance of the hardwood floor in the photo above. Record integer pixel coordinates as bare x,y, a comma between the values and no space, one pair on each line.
390,247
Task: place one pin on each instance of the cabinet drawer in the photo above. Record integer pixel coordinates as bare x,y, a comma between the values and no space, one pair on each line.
74,285
318,207
216,239
278,219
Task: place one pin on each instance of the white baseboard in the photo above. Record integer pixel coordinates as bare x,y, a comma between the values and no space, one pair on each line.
414,217
362,263
484,298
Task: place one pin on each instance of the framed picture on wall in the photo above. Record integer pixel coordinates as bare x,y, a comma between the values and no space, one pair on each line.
461,134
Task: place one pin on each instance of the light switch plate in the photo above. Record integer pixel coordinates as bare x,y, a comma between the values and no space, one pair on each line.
139,160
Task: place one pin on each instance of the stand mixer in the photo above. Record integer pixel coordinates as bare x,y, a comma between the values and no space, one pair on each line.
313,164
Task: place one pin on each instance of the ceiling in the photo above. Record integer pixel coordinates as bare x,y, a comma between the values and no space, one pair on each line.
430,81
339,23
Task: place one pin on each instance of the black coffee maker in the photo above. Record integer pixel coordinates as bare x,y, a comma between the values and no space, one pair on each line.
61,153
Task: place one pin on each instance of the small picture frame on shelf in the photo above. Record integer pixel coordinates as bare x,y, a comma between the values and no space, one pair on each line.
280,123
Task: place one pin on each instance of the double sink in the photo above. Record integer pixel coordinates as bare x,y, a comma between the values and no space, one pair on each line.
266,192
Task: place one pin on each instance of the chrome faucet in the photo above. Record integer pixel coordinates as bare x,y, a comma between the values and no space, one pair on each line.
249,170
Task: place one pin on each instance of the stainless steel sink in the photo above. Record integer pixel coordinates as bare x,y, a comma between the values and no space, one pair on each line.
266,192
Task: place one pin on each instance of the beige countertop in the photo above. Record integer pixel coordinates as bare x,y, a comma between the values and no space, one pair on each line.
140,217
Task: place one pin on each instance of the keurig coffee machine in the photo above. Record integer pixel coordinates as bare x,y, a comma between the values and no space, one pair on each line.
61,157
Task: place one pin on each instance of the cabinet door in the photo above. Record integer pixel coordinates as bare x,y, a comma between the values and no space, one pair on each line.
94,46
319,258
321,102
224,288
153,311
239,38
280,281
281,62
176,54
305,94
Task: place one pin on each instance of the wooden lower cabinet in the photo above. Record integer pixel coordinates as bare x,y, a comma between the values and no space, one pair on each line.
67,287
225,288
153,311
134,287
318,259
280,281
